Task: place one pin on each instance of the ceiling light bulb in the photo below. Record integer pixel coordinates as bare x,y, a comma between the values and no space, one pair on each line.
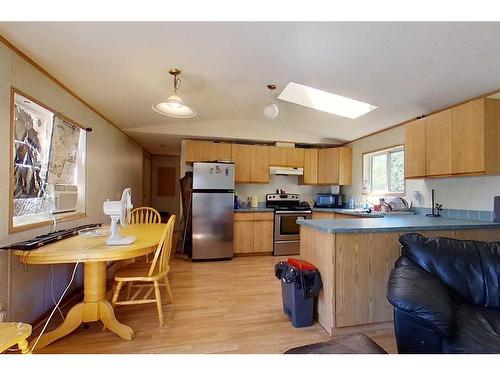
271,111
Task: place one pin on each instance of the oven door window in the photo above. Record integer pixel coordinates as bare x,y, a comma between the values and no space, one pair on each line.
289,226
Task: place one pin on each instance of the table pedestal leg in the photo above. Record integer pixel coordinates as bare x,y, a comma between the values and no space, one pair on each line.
93,308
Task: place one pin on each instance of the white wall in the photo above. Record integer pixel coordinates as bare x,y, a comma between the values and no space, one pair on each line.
287,183
114,162
468,193
170,204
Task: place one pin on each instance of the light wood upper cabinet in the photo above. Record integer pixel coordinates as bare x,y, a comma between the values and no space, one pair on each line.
463,140
277,156
415,148
335,166
207,151
241,156
259,164
328,166
438,128
310,176
345,166
286,157
295,157
468,138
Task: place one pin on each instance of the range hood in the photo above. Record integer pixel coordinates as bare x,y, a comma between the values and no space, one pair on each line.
286,171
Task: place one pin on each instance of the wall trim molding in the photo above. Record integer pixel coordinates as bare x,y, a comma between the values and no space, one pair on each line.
63,86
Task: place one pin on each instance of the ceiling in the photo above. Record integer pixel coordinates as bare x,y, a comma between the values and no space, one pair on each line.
121,69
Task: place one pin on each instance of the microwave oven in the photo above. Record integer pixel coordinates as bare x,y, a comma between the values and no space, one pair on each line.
329,200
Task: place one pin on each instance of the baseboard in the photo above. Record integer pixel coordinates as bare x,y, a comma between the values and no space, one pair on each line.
70,298
267,253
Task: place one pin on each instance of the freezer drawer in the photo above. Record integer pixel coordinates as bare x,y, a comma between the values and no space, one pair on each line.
212,225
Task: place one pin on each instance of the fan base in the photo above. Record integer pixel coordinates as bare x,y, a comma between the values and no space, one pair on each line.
125,240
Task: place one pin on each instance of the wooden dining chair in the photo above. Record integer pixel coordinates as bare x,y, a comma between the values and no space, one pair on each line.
144,215
140,275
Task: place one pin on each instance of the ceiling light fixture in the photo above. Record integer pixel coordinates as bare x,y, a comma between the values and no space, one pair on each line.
324,101
174,107
271,111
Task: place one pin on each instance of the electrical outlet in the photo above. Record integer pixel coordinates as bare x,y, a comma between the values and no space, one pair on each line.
3,314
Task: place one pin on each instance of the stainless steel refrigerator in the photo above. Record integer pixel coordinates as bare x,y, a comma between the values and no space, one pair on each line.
212,208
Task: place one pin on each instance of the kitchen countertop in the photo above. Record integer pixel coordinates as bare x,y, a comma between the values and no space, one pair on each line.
347,212
258,209
405,223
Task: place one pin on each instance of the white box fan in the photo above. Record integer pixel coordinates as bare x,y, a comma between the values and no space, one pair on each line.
119,211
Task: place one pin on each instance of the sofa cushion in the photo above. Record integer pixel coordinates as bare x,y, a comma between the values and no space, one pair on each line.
490,258
478,330
457,263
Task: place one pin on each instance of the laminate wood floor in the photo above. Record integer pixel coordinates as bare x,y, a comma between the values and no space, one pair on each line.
220,307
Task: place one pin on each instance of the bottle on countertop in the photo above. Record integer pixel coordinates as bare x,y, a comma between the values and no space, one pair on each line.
351,202
236,202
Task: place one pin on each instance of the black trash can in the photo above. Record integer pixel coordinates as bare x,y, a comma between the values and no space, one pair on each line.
300,284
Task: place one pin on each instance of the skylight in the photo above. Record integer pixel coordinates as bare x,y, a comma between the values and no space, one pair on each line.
324,101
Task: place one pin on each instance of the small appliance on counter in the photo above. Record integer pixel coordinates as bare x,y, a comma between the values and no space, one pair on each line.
254,201
329,200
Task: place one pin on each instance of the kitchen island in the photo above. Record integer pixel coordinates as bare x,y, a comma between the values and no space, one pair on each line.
355,258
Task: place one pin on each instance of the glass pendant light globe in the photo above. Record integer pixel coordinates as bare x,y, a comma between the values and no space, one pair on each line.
271,111
174,107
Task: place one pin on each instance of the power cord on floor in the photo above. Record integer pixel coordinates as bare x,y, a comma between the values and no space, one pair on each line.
56,307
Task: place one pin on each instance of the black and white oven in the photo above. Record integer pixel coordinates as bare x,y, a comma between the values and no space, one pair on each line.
287,210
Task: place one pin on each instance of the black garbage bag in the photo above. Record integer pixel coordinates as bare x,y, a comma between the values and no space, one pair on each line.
308,283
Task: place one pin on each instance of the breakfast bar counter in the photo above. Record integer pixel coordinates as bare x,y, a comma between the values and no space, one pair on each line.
355,258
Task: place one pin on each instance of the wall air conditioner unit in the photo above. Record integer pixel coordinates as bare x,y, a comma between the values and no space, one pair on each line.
64,197
285,171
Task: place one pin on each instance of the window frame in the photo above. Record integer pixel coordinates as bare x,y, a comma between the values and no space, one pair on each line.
382,151
58,217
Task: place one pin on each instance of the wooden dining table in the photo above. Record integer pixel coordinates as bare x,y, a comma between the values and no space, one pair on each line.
94,254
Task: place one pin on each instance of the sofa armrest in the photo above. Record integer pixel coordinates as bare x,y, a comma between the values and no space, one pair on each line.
421,294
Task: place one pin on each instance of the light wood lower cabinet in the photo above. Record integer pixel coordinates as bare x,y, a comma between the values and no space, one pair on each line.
253,232
323,215
334,215
355,268
263,236
243,237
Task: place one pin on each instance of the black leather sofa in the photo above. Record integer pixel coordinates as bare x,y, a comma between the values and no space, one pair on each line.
446,296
